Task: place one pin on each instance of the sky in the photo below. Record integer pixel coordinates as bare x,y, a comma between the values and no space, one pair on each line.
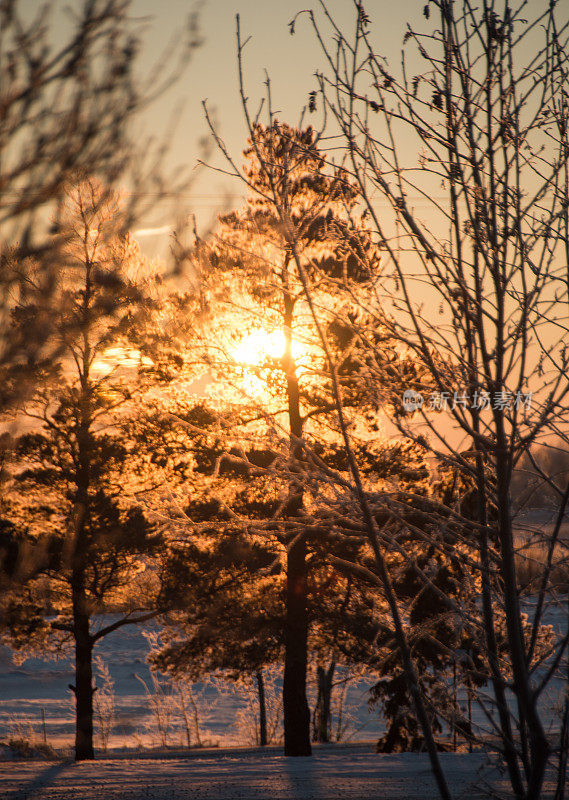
290,61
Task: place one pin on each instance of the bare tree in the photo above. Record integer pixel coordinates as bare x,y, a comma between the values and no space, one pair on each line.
475,128
491,126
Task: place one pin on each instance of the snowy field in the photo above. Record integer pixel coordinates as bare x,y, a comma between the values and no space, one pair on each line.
39,688
333,773
130,771
225,713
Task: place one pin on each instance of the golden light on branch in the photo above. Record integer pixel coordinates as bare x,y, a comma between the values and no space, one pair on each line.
118,357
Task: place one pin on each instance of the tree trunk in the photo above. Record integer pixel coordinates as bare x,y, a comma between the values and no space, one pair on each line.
262,708
525,696
83,689
81,631
323,716
295,704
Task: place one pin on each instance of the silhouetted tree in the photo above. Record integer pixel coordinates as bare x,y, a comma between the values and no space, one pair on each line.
82,544
252,248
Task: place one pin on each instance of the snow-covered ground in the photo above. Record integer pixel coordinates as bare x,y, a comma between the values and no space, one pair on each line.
332,773
39,687
346,771
37,684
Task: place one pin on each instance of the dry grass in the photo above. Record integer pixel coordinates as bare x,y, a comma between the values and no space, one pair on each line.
532,555
25,742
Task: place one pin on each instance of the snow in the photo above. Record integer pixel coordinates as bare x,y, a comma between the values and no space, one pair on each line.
42,684
39,684
344,771
332,773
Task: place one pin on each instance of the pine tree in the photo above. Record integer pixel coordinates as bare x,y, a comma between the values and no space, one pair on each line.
83,545
70,97
263,446
253,256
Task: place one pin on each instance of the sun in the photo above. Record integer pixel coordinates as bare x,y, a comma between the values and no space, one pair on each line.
254,349
259,345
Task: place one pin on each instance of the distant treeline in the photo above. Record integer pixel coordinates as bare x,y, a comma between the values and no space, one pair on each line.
537,471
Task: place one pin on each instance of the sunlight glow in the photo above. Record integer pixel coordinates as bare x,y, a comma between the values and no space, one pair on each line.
259,345
254,350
